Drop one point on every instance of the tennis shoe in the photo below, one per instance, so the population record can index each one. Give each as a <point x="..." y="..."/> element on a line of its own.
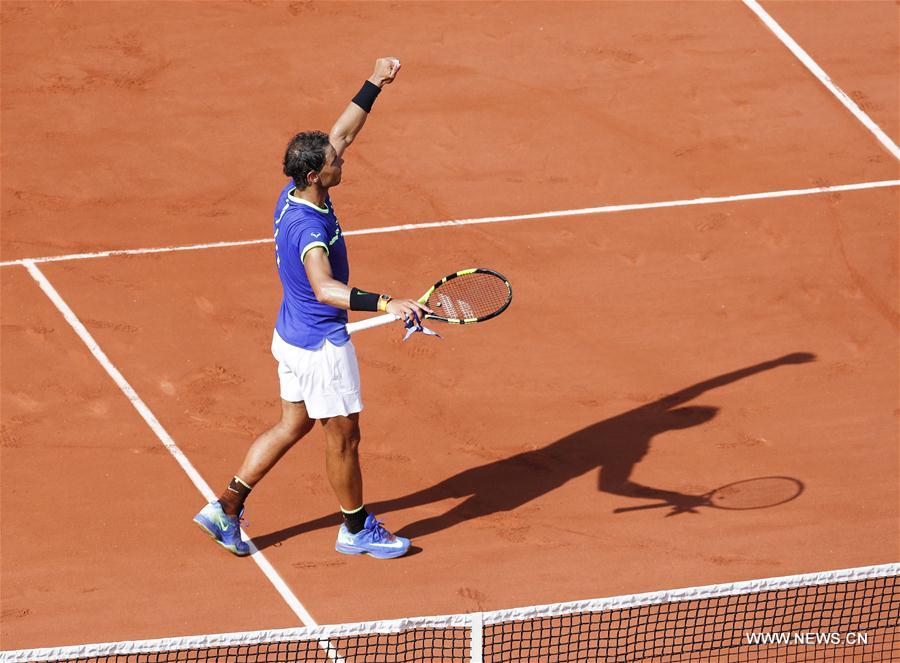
<point x="372" y="539"/>
<point x="224" y="529"/>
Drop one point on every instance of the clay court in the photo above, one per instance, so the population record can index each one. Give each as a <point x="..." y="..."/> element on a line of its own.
<point x="666" y="350"/>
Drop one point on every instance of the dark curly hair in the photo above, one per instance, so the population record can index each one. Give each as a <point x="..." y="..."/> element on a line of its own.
<point x="305" y="154"/>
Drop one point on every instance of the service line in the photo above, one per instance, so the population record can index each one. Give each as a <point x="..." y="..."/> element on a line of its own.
<point x="605" y="209"/>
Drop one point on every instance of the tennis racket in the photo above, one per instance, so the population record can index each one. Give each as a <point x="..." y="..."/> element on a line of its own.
<point x="463" y="298"/>
<point x="758" y="493"/>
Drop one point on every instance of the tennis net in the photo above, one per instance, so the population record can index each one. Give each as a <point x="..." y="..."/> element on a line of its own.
<point x="846" y="615"/>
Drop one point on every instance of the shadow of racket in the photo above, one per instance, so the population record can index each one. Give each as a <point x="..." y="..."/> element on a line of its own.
<point x="744" y="495"/>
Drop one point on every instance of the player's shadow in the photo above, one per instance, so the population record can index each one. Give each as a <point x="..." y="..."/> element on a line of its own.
<point x="614" y="446"/>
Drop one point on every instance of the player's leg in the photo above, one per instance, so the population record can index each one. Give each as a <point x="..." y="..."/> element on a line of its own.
<point x="361" y="531"/>
<point x="342" y="460"/>
<point x="221" y="519"/>
<point x="295" y="422"/>
<point x="266" y="450"/>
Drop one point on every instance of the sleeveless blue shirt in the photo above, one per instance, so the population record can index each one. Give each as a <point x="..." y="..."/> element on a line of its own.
<point x="304" y="321"/>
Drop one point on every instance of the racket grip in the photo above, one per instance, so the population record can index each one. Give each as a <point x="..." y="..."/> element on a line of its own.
<point x="369" y="323"/>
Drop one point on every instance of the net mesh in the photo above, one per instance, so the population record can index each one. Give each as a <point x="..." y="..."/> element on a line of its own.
<point x="845" y="621"/>
<point x="433" y="646"/>
<point x="478" y="295"/>
<point x="849" y="615"/>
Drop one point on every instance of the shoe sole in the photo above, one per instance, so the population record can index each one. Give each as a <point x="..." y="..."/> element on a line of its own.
<point x="352" y="550"/>
<point x="215" y="538"/>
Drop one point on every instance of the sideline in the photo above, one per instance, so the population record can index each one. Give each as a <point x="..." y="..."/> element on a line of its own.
<point x="289" y="597"/>
<point x="824" y="78"/>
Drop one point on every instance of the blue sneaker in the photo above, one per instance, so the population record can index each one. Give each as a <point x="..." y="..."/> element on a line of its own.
<point x="372" y="539"/>
<point x="225" y="529"/>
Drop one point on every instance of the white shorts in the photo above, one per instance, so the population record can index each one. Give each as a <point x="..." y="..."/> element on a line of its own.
<point x="327" y="379"/>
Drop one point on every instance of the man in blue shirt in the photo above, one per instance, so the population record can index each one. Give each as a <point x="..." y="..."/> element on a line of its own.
<point x="317" y="365"/>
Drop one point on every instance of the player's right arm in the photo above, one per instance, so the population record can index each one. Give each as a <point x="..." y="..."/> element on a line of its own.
<point x="329" y="290"/>
<point x="354" y="116"/>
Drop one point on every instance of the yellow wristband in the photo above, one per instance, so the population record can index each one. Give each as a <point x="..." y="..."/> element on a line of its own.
<point x="383" y="302"/>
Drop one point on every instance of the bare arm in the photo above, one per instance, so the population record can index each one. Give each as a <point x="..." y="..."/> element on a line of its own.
<point x="353" y="118"/>
<point x="330" y="291"/>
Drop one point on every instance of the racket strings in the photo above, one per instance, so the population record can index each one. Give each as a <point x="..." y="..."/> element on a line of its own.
<point x="476" y="295"/>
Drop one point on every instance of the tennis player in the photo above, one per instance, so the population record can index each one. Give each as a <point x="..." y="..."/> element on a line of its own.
<point x="316" y="361"/>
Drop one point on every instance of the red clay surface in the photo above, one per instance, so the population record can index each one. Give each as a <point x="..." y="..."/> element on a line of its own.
<point x="494" y="448"/>
<point x="833" y="39"/>
<point x="696" y="273"/>
<point x="97" y="539"/>
<point x="166" y="122"/>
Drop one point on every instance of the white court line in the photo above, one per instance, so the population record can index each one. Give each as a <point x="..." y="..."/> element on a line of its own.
<point x="161" y="433"/>
<point x="489" y="219"/>
<point x="819" y="73"/>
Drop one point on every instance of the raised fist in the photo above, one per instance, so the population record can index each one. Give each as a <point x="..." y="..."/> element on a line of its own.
<point x="385" y="71"/>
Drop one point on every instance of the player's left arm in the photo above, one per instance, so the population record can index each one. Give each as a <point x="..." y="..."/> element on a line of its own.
<point x="354" y="116"/>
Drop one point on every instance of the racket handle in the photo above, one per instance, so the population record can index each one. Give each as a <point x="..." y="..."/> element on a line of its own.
<point x="368" y="323"/>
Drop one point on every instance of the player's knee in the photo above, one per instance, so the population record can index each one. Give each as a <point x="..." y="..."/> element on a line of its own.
<point x="293" y="430"/>
<point x="347" y="444"/>
<point x="351" y="442"/>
